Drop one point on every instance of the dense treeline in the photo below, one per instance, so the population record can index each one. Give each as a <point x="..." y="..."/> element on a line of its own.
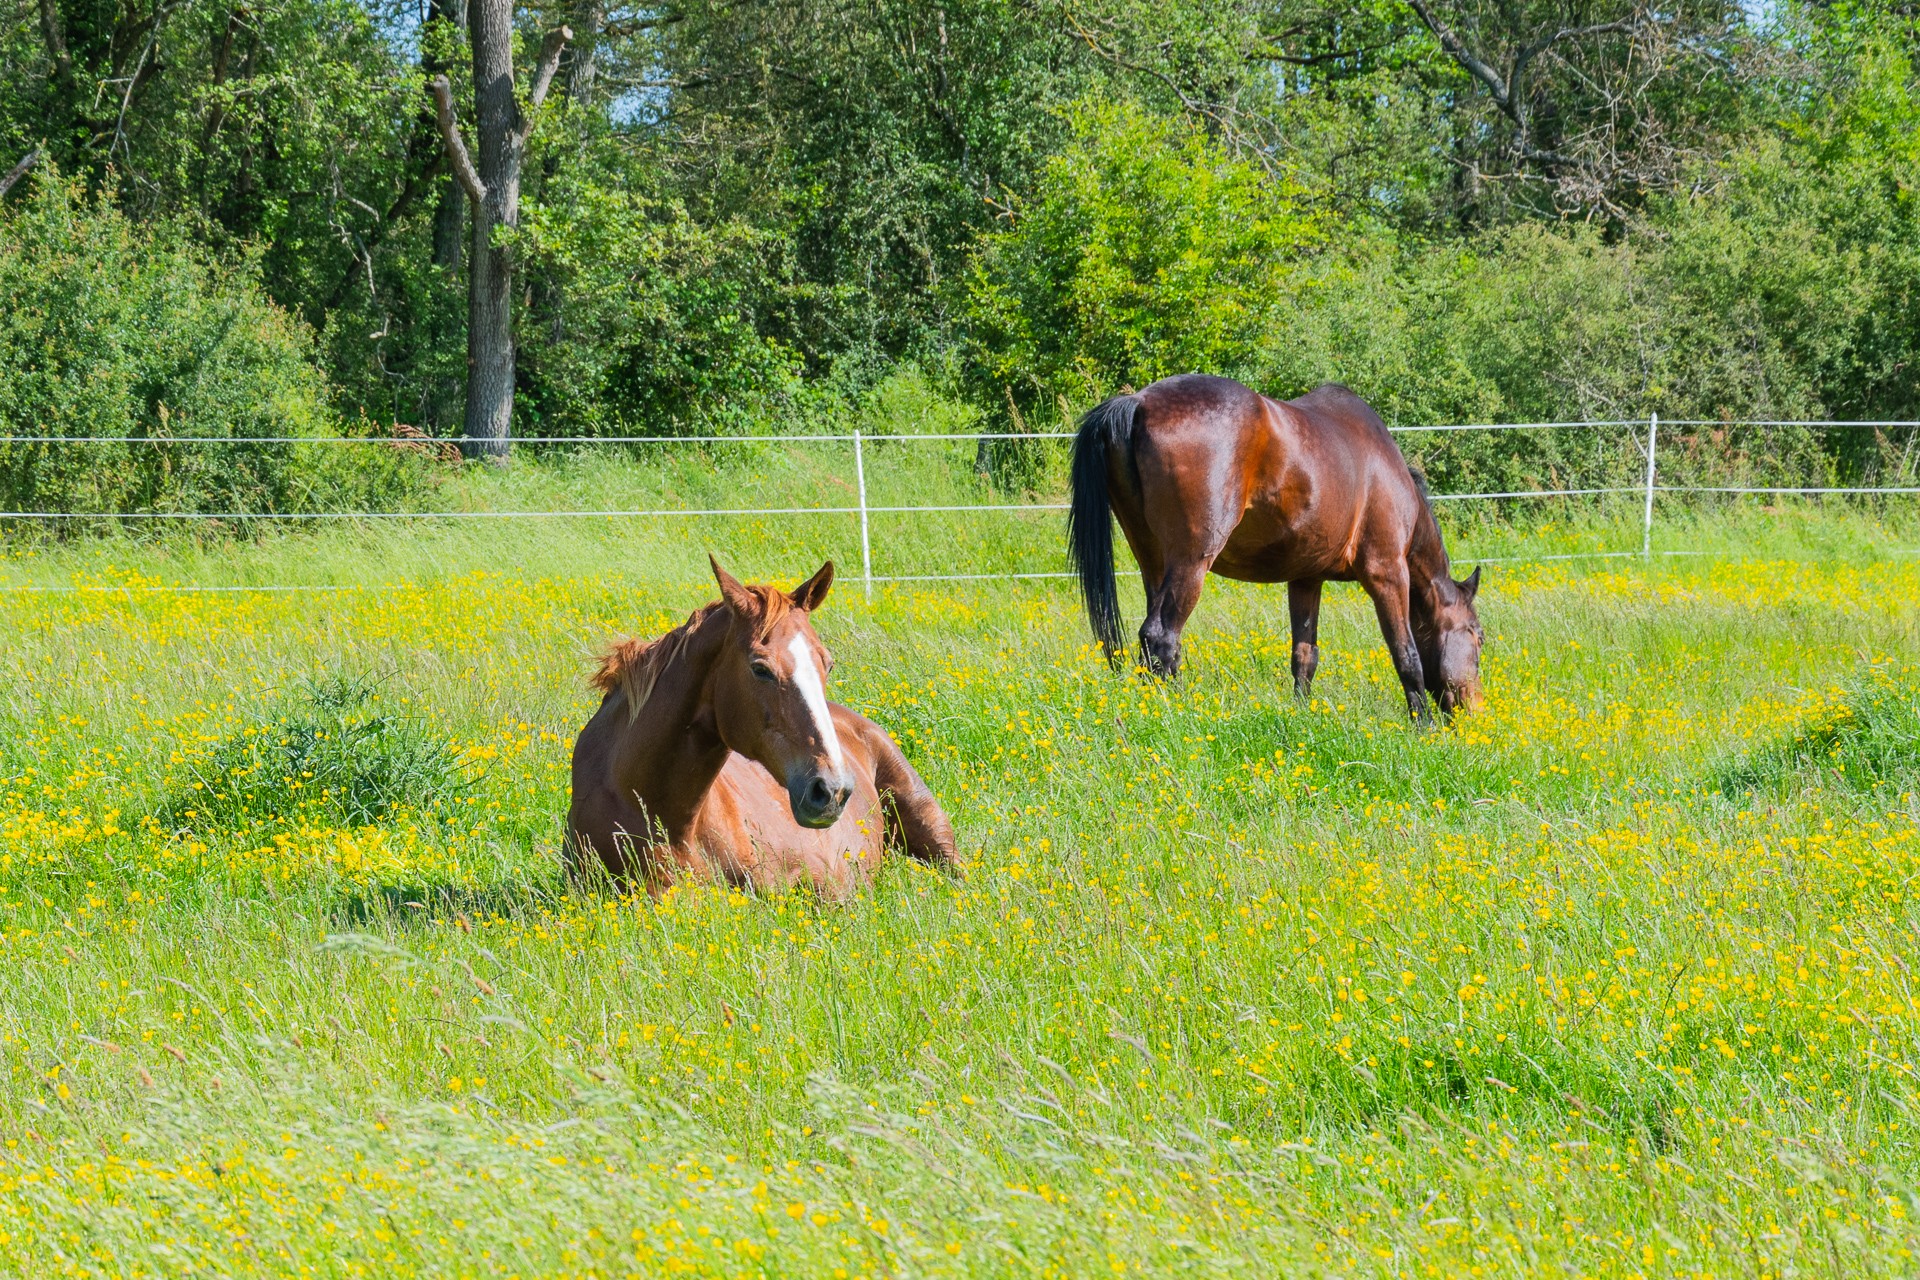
<point x="735" y="211"/>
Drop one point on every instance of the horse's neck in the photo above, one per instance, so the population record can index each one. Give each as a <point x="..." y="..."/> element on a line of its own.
<point x="1427" y="565"/>
<point x="670" y="754"/>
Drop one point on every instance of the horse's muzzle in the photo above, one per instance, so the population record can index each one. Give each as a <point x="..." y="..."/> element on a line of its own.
<point x="1460" y="697"/>
<point x="818" y="800"/>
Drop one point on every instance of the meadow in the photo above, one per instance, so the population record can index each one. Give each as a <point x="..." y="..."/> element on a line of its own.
<point x="1615" y="978"/>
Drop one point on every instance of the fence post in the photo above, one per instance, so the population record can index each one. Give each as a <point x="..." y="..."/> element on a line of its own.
<point x="866" y="547"/>
<point x="1646" y="524"/>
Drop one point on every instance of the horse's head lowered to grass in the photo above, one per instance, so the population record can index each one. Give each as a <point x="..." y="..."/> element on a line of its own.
<point x="1450" y="638"/>
<point x="769" y="693"/>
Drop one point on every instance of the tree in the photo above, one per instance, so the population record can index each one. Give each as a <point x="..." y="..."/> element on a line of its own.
<point x="1146" y="249"/>
<point x="493" y="187"/>
<point x="1596" y="103"/>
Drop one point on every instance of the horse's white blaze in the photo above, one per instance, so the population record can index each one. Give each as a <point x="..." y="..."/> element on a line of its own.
<point x="807" y="676"/>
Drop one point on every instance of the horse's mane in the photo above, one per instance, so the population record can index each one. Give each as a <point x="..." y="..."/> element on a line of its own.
<point x="632" y="666"/>
<point x="1420" y="486"/>
<point x="1420" y="609"/>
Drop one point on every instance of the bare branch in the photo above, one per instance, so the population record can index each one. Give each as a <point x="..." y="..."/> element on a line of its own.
<point x="1222" y="116"/>
<point x="1528" y="53"/>
<point x="1272" y="53"/>
<point x="19" y="171"/>
<point x="1585" y="166"/>
<point x="450" y="134"/>
<point x="549" y="63"/>
<point x="143" y="70"/>
<point x="1458" y="51"/>
<point x="622" y="28"/>
<point x="681" y="82"/>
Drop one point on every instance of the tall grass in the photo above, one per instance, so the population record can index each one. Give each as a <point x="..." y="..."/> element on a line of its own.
<point x="1234" y="983"/>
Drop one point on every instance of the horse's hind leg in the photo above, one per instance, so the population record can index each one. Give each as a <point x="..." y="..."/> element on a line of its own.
<point x="1170" y="602"/>
<point x="1389" y="589"/>
<point x="1303" y="611"/>
<point x="915" y="823"/>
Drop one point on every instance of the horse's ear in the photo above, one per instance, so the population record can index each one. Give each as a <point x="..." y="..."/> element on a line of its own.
<point x="1470" y="586"/>
<point x="812" y="593"/>
<point x="742" y="601"/>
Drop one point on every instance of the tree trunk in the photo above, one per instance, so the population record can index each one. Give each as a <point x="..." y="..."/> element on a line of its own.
<point x="494" y="188"/>
<point x="588" y="15"/>
<point x="490" y="270"/>
<point x="489" y="421"/>
<point x="449" y="226"/>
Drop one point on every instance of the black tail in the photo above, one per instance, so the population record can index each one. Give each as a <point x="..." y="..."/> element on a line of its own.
<point x="1108" y="425"/>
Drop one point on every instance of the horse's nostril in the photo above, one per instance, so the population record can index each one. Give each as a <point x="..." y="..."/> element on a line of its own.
<point x="819" y="795"/>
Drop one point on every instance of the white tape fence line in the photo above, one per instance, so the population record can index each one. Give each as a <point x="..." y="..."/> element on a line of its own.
<point x="859" y="440"/>
<point x="912" y="437"/>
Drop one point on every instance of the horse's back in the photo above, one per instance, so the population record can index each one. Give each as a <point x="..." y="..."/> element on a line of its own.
<point x="1186" y="395"/>
<point x="1197" y="445"/>
<point x="1197" y="410"/>
<point x="1263" y="490"/>
<point x="1337" y="409"/>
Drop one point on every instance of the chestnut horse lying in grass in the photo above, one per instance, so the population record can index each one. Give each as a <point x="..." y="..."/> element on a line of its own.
<point x="716" y="753"/>
<point x="1206" y="475"/>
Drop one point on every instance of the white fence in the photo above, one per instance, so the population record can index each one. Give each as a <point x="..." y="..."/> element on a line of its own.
<point x="1648" y="489"/>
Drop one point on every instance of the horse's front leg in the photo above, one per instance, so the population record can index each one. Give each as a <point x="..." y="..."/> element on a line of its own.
<point x="1389" y="590"/>
<point x="1303" y="611"/>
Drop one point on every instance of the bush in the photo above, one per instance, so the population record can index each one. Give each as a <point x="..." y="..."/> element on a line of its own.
<point x="1146" y="250"/>
<point x="117" y="331"/>
<point x="1785" y="288"/>
<point x="328" y="759"/>
<point x="665" y="318"/>
<point x="1527" y="324"/>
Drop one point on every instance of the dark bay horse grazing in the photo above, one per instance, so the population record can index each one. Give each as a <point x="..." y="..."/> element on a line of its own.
<point x="716" y="753"/>
<point x="1207" y="475"/>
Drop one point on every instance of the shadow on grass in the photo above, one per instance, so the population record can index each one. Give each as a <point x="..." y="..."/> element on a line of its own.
<point x="408" y="905"/>
<point x="1868" y="743"/>
<point x="1431" y="1079"/>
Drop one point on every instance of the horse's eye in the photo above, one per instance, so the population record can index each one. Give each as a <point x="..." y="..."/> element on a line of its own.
<point x="761" y="671"/>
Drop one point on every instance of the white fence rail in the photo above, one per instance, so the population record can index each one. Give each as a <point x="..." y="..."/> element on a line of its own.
<point x="1649" y="488"/>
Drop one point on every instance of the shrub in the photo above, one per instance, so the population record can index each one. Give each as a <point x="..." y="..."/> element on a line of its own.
<point x="665" y="318"/>
<point x="1784" y="288"/>
<point x="118" y="331"/>
<point x="1146" y="250"/>
<point x="328" y="758"/>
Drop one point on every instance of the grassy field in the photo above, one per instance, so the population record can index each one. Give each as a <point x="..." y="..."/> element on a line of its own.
<point x="1616" y="978"/>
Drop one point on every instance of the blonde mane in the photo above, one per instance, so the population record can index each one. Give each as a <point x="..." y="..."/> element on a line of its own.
<point x="633" y="666"/>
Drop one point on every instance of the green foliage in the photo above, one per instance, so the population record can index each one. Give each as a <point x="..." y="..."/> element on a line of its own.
<point x="121" y="331"/>
<point x="665" y="318"/>
<point x="1812" y="251"/>
<point x="282" y="124"/>
<point x="740" y="215"/>
<point x="911" y="401"/>
<point x="1145" y="250"/>
<point x="868" y="137"/>
<point x="1783" y="290"/>
<point x="330" y="758"/>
